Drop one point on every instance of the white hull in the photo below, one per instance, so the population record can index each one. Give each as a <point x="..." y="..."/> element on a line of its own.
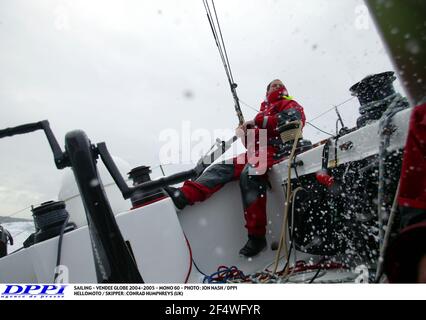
<point x="214" y="228"/>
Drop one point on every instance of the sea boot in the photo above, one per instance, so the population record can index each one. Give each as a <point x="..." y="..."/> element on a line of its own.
<point x="254" y="245"/>
<point x="177" y="197"/>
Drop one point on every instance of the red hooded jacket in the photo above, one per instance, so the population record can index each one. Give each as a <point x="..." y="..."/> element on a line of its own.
<point x="276" y="108"/>
<point x="277" y="102"/>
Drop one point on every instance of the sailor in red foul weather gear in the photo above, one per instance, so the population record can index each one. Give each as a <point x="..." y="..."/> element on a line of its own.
<point x="278" y="108"/>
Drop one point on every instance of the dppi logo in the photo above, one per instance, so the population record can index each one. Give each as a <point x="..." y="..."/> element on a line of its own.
<point x="34" y="291"/>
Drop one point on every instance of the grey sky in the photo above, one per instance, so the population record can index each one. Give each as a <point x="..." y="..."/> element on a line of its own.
<point x="123" y="71"/>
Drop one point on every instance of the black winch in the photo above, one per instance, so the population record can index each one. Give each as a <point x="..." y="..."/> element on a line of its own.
<point x="139" y="198"/>
<point x="49" y="219"/>
<point x="375" y="94"/>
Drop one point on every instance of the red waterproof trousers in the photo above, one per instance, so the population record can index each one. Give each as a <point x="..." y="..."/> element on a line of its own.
<point x="253" y="189"/>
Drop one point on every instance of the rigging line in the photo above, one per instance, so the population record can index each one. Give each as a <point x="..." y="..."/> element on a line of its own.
<point x="340" y="104"/>
<point x="223" y="42"/>
<point x="15" y="213"/>
<point x="162" y="164"/>
<point x="21" y="232"/>
<point x="218" y="44"/>
<point x="319" y="128"/>
<point x="249" y="106"/>
<point x="225" y="61"/>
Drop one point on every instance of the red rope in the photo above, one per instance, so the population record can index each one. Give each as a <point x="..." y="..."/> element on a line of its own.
<point x="303" y="266"/>
<point x="190" y="259"/>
